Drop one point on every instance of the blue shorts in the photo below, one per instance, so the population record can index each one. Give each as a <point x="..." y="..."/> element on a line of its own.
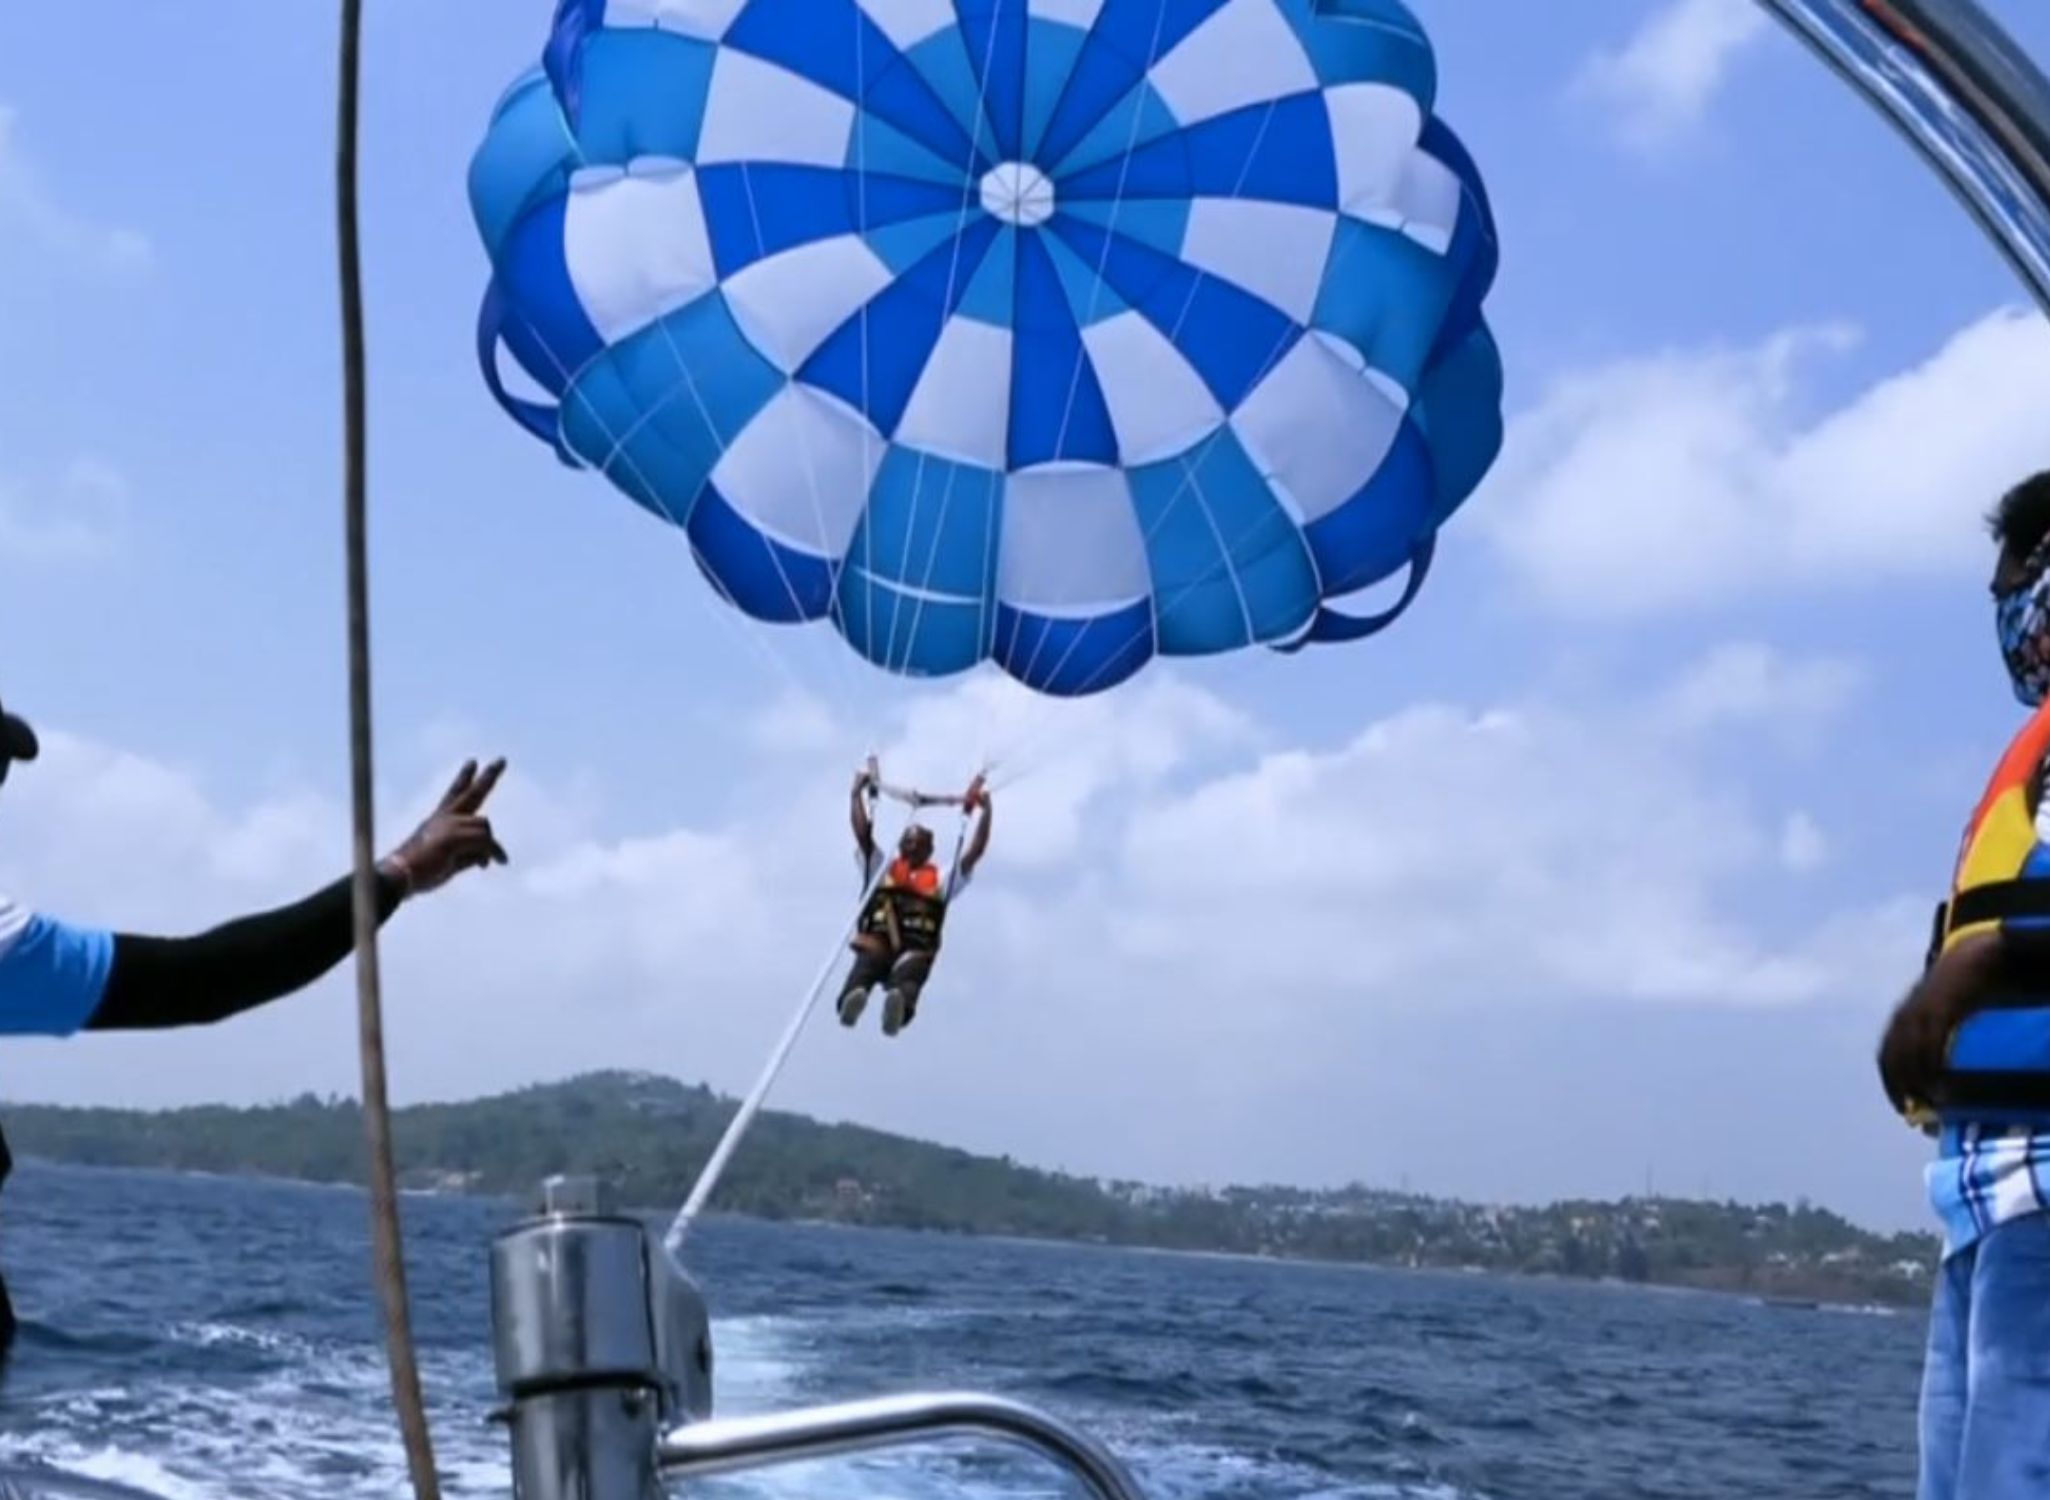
<point x="1986" y="1381"/>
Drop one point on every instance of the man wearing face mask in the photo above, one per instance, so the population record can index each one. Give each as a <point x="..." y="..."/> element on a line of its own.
<point x="57" y="979"/>
<point x="1966" y="1057"/>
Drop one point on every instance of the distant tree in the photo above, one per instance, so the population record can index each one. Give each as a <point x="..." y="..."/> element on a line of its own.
<point x="651" y="1135"/>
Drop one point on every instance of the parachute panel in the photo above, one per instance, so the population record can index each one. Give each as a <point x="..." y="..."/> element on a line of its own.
<point x="1056" y="334"/>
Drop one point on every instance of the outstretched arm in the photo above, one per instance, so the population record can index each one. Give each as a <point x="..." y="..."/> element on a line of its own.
<point x="857" y="812"/>
<point x="978" y="843"/>
<point x="155" y="983"/>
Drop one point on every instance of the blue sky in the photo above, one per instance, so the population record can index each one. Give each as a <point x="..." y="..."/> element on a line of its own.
<point x="1609" y="861"/>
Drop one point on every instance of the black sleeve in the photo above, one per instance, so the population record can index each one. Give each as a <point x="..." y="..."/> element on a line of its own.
<point x="157" y="983"/>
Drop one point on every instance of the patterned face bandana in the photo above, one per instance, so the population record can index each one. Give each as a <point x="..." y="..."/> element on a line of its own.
<point x="2023" y="618"/>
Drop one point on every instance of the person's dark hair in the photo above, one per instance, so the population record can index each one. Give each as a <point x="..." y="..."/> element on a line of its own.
<point x="2022" y="518"/>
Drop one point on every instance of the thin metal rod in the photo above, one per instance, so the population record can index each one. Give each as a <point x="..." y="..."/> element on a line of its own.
<point x="735" y="1444"/>
<point x="913" y="798"/>
<point x="387" y="1249"/>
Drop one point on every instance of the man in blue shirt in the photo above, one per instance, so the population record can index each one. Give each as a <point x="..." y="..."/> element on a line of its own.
<point x="57" y="979"/>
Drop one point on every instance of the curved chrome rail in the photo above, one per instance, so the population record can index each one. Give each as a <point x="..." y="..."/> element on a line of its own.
<point x="600" y="1346"/>
<point x="1964" y="95"/>
<point x="735" y="1444"/>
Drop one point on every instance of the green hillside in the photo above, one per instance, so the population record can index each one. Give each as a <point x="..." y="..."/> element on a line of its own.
<point x="651" y="1134"/>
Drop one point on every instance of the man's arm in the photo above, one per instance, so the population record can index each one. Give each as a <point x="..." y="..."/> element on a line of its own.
<point x="978" y="843"/>
<point x="1915" y="1049"/>
<point x="59" y="979"/>
<point x="857" y="814"/>
<point x="158" y="983"/>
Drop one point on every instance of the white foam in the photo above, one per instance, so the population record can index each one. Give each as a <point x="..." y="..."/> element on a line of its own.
<point x="319" y="1427"/>
<point x="113" y="1465"/>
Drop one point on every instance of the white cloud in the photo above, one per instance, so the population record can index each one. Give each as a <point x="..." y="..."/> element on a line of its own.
<point x="1065" y="760"/>
<point x="1060" y="756"/>
<point x="1178" y="919"/>
<point x="28" y="203"/>
<point x="1518" y="856"/>
<point x="117" y="837"/>
<point x="1750" y="685"/>
<point x="80" y="517"/>
<point x="794" y="724"/>
<point x="1682" y="480"/>
<point x="1660" y="83"/>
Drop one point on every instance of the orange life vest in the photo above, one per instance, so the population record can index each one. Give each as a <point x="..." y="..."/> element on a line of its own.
<point x="1999" y="1060"/>
<point x="923" y="879"/>
<point x="911" y="894"/>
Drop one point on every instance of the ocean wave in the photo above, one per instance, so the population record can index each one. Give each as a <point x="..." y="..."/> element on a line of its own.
<point x="239" y="1359"/>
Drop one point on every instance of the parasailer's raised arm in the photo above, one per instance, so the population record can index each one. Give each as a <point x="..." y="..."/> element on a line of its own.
<point x="857" y="813"/>
<point x="977" y="800"/>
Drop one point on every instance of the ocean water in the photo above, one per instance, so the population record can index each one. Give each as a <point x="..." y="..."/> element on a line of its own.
<point x="208" y="1338"/>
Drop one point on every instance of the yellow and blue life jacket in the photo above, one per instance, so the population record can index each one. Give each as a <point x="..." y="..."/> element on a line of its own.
<point x="1999" y="1059"/>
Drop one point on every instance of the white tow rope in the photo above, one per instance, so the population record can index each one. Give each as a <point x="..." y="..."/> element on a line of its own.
<point x="708" y="1179"/>
<point x="744" y="1117"/>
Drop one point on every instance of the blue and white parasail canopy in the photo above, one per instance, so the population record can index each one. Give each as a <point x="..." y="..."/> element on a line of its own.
<point x="1058" y="333"/>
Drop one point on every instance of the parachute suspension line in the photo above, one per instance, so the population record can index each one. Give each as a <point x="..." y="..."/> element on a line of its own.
<point x="747" y="626"/>
<point x="1095" y="299"/>
<point x="932" y="556"/>
<point x="1224" y="553"/>
<point x="843" y="668"/>
<point x="704" y="412"/>
<point x="1031" y="755"/>
<point x="617" y="453"/>
<point x="960" y="841"/>
<point x="733" y="619"/>
<point x="1192" y="479"/>
<point x="388" y="1246"/>
<point x="985" y="593"/>
<point x="968" y="199"/>
<point x="1192" y="465"/>
<point x="856" y="16"/>
<point x="1103" y="254"/>
<point x="744" y="1117"/>
<point x="848" y="689"/>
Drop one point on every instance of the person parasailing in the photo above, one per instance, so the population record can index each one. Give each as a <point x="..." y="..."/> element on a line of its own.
<point x="898" y="938"/>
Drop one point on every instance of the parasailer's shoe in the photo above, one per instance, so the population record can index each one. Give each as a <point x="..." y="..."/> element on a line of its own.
<point x="852" y="1004"/>
<point x="896" y="1012"/>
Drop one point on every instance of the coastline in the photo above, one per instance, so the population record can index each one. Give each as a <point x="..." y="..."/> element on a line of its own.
<point x="659" y="1214"/>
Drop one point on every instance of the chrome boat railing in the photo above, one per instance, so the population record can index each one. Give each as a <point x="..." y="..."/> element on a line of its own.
<point x="736" y="1444"/>
<point x="604" y="1360"/>
<point x="1964" y="94"/>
